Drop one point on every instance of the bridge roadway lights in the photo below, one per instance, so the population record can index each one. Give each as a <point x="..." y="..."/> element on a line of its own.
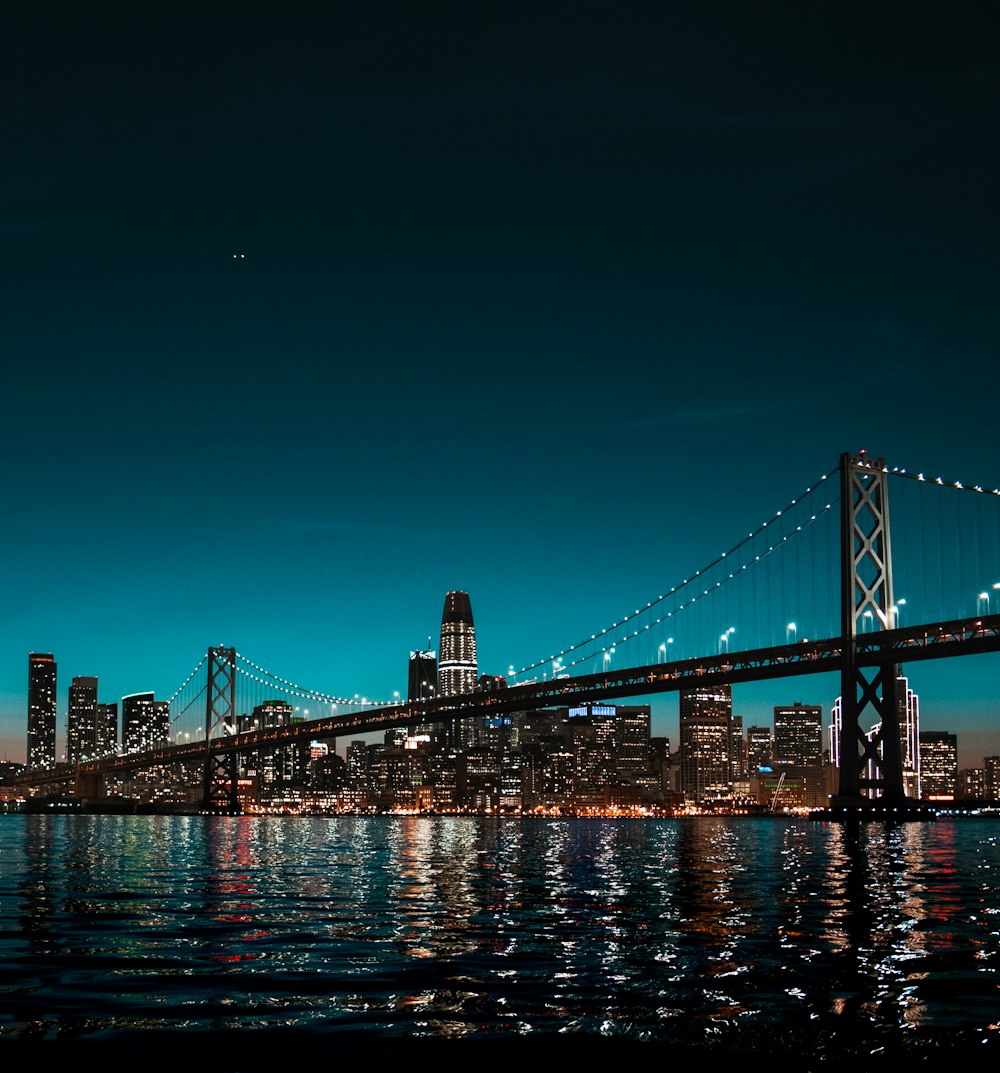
<point x="873" y="810"/>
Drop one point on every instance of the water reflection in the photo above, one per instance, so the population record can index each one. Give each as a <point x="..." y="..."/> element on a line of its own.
<point x="688" y="931"/>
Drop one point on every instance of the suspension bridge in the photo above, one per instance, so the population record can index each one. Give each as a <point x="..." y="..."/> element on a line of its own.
<point x="822" y="565"/>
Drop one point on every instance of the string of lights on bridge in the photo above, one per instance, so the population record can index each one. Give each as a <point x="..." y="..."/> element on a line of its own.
<point x="302" y="691"/>
<point x="558" y="656"/>
<point x="960" y="485"/>
<point x="561" y="659"/>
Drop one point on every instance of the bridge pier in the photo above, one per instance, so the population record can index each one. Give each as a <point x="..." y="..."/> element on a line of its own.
<point x="220" y="770"/>
<point x="871" y="762"/>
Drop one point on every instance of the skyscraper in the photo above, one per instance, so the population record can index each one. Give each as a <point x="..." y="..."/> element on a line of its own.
<point x="422" y="677"/>
<point x="145" y="722"/>
<point x="938" y="765"/>
<point x="705" y="718"/>
<point x="457" y="666"/>
<point x="81" y="720"/>
<point x="41" y="710"/>
<point x="798" y="735"/>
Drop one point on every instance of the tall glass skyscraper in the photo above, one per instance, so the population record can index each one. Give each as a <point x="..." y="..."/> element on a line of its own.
<point x="457" y="666"/>
<point x="41" y="710"/>
<point x="706" y="729"/>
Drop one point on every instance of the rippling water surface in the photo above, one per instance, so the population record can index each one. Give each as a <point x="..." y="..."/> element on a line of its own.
<point x="756" y="935"/>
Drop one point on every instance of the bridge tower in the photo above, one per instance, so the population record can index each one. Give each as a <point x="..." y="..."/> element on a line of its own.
<point x="869" y="694"/>
<point x="220" y="773"/>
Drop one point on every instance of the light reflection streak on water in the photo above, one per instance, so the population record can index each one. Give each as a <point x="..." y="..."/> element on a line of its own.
<point x="447" y="926"/>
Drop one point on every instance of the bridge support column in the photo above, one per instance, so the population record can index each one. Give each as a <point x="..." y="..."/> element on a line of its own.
<point x="871" y="762"/>
<point x="91" y="786"/>
<point x="220" y="771"/>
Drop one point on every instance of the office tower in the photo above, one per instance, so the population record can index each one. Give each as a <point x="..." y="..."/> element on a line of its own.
<point x="107" y="729"/>
<point x="421" y="682"/>
<point x="758" y="748"/>
<point x="145" y="722"/>
<point x="938" y="765"/>
<point x="421" y="685"/>
<point x="835" y="729"/>
<point x="737" y="750"/>
<point x="991" y="776"/>
<point x="284" y="767"/>
<point x="457" y="666"/>
<point x="797" y="754"/>
<point x="705" y="717"/>
<point x="909" y="736"/>
<point x="81" y="720"/>
<point x="798" y="735"/>
<point x="41" y="710"/>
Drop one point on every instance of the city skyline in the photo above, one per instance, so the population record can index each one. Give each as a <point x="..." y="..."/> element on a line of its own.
<point x="310" y="321"/>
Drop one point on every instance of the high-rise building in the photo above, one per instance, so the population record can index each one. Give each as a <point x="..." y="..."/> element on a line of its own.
<point x="81" y="720"/>
<point x="909" y="735"/>
<point x="798" y="735"/>
<point x="457" y="665"/>
<point x="705" y="717"/>
<point x="421" y="682"/>
<point x="991" y="776"/>
<point x="758" y="748"/>
<point x="41" y="710"/>
<point x="421" y="685"/>
<point x="938" y="765"/>
<point x="145" y="722"/>
<point x="107" y="729"/>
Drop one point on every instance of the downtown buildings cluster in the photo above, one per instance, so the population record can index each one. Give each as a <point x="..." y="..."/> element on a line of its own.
<point x="592" y="759"/>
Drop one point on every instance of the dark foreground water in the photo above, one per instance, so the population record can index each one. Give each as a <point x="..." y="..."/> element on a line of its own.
<point x="299" y="936"/>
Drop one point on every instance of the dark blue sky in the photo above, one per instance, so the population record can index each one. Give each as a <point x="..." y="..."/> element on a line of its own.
<point x="548" y="302"/>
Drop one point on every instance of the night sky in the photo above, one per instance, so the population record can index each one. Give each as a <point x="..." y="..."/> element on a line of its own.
<point x="309" y="315"/>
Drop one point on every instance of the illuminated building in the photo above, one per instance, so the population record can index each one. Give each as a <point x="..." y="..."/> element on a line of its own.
<point x="938" y="765"/>
<point x="797" y="754"/>
<point x="706" y="735"/>
<point x="41" y="710"/>
<point x="457" y="666"/>
<point x="909" y="736"/>
<point x="421" y="681"/>
<point x="798" y="735"/>
<point x="277" y="770"/>
<point x="145" y="722"/>
<point x="991" y="777"/>
<point x="81" y="720"/>
<point x="421" y="685"/>
<point x="107" y="729"/>
<point x="758" y="748"/>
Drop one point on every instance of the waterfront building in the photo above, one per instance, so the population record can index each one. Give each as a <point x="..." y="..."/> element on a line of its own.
<point x="758" y="749"/>
<point x="107" y="729"/>
<point x="145" y="722"/>
<point x="277" y="770"/>
<point x="737" y="750"/>
<point x="909" y="735"/>
<point x="798" y="735"/>
<point x="971" y="784"/>
<point x="991" y="777"/>
<point x="41" y="710"/>
<point x="938" y="765"/>
<point x="457" y="665"/>
<point x="81" y="720"/>
<point x="421" y="685"/>
<point x="705" y="717"/>
<point x="835" y="729"/>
